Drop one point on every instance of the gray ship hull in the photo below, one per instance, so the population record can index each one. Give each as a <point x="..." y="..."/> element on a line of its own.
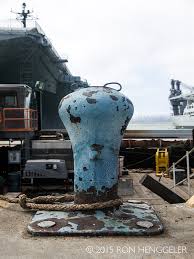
<point x="27" y="56"/>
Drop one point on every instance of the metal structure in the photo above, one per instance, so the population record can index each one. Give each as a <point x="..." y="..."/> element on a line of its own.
<point x="95" y="119"/>
<point x="177" y="102"/>
<point x="178" y="99"/>
<point x="24" y="15"/>
<point x="182" y="105"/>
<point x="159" y="133"/>
<point x="33" y="79"/>
<point x="45" y="168"/>
<point x="18" y="119"/>
<point x="189" y="175"/>
<point x="131" y="219"/>
<point x="28" y="57"/>
<point x="16" y="116"/>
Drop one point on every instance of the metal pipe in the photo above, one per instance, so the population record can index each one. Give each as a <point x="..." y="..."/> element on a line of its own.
<point x="184" y="180"/>
<point x="174" y="175"/>
<point x="189" y="152"/>
<point x="188" y="173"/>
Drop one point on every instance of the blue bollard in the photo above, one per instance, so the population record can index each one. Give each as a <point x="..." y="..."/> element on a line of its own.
<point x="95" y="119"/>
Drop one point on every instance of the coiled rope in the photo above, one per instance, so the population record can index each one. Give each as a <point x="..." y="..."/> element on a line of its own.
<point x="52" y="203"/>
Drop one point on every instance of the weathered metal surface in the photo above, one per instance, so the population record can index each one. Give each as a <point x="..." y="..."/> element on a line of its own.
<point x="95" y="119"/>
<point x="46" y="224"/>
<point x="145" y="224"/>
<point x="131" y="219"/>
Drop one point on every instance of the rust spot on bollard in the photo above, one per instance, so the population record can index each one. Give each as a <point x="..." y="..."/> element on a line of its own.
<point x="92" y="195"/>
<point x="68" y="109"/>
<point x="89" y="222"/>
<point x="107" y="90"/>
<point x="128" y="101"/>
<point x="114" y="98"/>
<point x="90" y="100"/>
<point x="89" y="94"/>
<point x="73" y="119"/>
<point x="123" y="128"/>
<point x="97" y="147"/>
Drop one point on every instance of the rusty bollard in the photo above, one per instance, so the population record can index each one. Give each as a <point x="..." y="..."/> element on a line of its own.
<point x="95" y="119"/>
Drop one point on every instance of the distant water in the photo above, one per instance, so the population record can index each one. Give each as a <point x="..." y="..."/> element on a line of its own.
<point x="151" y="122"/>
<point x="150" y="126"/>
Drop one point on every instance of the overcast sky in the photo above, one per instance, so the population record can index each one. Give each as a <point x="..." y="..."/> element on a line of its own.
<point x="142" y="43"/>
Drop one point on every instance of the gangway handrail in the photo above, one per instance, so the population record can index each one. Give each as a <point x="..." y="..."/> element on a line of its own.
<point x="188" y="172"/>
<point x="184" y="180"/>
<point x="177" y="162"/>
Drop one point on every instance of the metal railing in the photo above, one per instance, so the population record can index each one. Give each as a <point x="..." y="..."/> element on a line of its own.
<point x="188" y="178"/>
<point x="14" y="24"/>
<point x="18" y="119"/>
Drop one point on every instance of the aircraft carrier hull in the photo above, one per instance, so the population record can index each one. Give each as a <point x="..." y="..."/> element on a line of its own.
<point x="27" y="56"/>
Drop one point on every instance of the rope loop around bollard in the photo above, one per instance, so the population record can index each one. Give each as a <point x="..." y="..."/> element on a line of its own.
<point x="114" y="83"/>
<point x="55" y="203"/>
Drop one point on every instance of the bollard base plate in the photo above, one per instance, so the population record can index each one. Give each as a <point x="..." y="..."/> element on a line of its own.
<point x="133" y="218"/>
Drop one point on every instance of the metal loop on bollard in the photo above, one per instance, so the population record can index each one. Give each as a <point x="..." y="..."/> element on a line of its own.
<point x="114" y="83"/>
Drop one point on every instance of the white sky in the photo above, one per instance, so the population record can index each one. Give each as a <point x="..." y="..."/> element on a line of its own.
<point x="141" y="43"/>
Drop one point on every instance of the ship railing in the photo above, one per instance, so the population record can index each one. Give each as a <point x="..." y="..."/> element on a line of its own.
<point x="13" y="24"/>
<point x="18" y="119"/>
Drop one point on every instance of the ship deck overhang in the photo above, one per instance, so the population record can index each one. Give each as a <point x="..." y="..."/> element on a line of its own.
<point x="24" y="50"/>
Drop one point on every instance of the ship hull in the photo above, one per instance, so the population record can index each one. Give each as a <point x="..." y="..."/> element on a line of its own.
<point x="183" y="121"/>
<point x="26" y="56"/>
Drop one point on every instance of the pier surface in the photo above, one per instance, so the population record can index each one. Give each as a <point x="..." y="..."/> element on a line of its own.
<point x="177" y="241"/>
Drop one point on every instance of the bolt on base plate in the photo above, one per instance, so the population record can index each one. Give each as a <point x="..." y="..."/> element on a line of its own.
<point x="133" y="218"/>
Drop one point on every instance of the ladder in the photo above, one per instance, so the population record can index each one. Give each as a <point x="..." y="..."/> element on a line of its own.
<point x="26" y="73"/>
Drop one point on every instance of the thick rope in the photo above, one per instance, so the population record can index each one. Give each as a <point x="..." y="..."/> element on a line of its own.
<point x="10" y="200"/>
<point x="49" y="203"/>
<point x="41" y="199"/>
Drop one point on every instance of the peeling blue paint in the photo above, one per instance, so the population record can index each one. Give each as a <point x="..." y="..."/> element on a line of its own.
<point x="122" y="221"/>
<point x="95" y="124"/>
